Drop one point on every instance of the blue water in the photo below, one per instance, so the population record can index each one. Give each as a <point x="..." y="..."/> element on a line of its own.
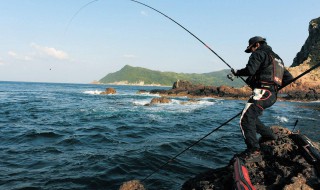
<point x="67" y="136"/>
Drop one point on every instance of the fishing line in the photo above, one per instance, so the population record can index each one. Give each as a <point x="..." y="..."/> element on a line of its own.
<point x="84" y="6"/>
<point x="173" y="158"/>
<point x="188" y="32"/>
<point x="169" y="19"/>
<point x="196" y="142"/>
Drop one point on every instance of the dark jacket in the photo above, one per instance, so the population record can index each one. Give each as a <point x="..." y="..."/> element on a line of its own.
<point x="258" y="68"/>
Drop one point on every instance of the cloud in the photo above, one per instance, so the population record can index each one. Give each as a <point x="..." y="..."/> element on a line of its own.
<point x="51" y="52"/>
<point x="1" y="61"/>
<point x="19" y="57"/>
<point x="130" y="56"/>
<point x="143" y="13"/>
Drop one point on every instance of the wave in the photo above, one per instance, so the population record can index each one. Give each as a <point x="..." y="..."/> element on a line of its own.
<point x="140" y="102"/>
<point x="93" y="92"/>
<point x="282" y="119"/>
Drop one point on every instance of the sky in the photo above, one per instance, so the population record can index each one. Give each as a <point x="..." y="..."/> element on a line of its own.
<point x="75" y="41"/>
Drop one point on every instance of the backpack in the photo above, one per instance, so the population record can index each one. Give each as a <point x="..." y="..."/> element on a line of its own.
<point x="241" y="176"/>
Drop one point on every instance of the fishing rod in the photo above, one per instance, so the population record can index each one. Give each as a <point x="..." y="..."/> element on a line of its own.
<point x="169" y="19"/>
<point x="188" y="32"/>
<point x="225" y="123"/>
<point x="173" y="158"/>
<point x="294" y="126"/>
<point x="299" y="76"/>
<point x="84" y="6"/>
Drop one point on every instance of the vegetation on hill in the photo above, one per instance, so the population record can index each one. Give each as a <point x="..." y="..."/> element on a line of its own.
<point x="135" y="75"/>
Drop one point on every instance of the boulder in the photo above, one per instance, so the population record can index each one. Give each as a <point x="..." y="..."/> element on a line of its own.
<point x="182" y="84"/>
<point x="161" y="100"/>
<point x="132" y="185"/>
<point x="283" y="167"/>
<point x="109" y="91"/>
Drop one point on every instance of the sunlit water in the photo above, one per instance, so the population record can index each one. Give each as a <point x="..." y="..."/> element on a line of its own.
<point x="67" y="136"/>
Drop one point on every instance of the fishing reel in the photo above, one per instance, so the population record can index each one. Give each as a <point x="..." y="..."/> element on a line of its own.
<point x="231" y="76"/>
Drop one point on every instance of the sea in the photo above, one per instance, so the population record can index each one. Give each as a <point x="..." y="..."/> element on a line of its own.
<point x="68" y="136"/>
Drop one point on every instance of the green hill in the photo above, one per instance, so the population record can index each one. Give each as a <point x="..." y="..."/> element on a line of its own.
<point x="134" y="75"/>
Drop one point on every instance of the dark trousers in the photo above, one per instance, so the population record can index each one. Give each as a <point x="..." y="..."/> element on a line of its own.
<point x="250" y="123"/>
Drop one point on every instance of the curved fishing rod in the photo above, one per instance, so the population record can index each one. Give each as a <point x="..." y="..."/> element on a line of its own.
<point x="84" y="6"/>
<point x="166" y="17"/>
<point x="188" y="32"/>
<point x="173" y="158"/>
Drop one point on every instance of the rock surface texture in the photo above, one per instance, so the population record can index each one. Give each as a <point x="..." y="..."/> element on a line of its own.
<point x="109" y="91"/>
<point x="283" y="167"/>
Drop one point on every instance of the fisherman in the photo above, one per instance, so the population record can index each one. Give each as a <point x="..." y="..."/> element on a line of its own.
<point x="266" y="73"/>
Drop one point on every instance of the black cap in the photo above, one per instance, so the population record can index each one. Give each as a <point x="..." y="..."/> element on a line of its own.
<point x="254" y="40"/>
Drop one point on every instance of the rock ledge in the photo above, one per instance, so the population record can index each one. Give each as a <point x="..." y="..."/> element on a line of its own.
<point x="283" y="167"/>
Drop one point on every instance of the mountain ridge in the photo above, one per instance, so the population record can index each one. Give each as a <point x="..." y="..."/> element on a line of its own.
<point x="143" y="76"/>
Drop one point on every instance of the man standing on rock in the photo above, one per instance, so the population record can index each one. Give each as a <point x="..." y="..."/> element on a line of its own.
<point x="266" y="73"/>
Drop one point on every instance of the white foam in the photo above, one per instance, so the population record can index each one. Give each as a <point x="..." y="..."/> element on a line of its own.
<point x="181" y="106"/>
<point x="148" y="94"/>
<point x="141" y="102"/>
<point x="282" y="119"/>
<point x="93" y="92"/>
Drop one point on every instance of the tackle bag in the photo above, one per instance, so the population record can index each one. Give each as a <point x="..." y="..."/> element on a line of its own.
<point x="241" y="176"/>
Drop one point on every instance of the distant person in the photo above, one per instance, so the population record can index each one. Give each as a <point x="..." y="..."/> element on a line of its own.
<point x="266" y="73"/>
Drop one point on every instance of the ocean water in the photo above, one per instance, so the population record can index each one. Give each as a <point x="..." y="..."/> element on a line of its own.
<point x="67" y="136"/>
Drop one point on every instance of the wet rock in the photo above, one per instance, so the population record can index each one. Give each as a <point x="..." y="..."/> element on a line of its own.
<point x="161" y="100"/>
<point x="132" y="185"/>
<point x="185" y="88"/>
<point x="109" y="91"/>
<point x="283" y="167"/>
<point x="182" y="84"/>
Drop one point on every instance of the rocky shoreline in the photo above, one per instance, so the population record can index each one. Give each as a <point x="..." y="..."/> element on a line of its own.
<point x="284" y="166"/>
<point x="187" y="89"/>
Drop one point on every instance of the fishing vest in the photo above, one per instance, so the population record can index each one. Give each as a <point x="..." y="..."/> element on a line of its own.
<point x="273" y="73"/>
<point x="270" y="71"/>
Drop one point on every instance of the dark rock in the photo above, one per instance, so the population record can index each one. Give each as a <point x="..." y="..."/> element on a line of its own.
<point x="160" y="100"/>
<point x="185" y="88"/>
<point x="283" y="167"/>
<point x="182" y="84"/>
<point x="311" y="48"/>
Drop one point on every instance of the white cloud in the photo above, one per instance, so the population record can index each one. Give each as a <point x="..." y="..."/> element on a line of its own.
<point x="12" y="54"/>
<point x="143" y="13"/>
<point x="130" y="56"/>
<point x="50" y="51"/>
<point x="19" y="57"/>
<point x="1" y="61"/>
